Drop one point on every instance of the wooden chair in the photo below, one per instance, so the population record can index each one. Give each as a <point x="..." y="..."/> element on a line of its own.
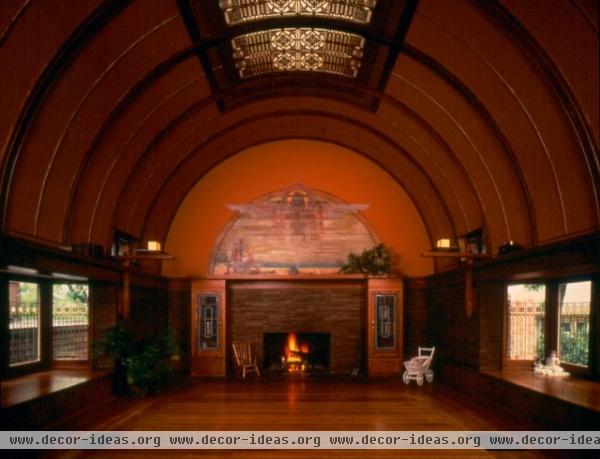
<point x="244" y="358"/>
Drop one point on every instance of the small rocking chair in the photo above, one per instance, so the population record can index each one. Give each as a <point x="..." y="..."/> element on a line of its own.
<point x="419" y="367"/>
<point x="244" y="358"/>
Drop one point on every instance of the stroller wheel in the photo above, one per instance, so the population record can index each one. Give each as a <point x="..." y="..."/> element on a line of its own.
<point x="405" y="379"/>
<point x="420" y="380"/>
<point x="429" y="376"/>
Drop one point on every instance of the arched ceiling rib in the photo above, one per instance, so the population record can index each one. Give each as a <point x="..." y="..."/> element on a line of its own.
<point x="283" y="125"/>
<point x="35" y="51"/>
<point x="483" y="121"/>
<point x="87" y="100"/>
<point x="199" y="129"/>
<point x="577" y="92"/>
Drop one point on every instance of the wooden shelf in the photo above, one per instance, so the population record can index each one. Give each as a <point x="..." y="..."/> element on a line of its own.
<point x="292" y="277"/>
<point x="147" y="255"/>
<point x="451" y="254"/>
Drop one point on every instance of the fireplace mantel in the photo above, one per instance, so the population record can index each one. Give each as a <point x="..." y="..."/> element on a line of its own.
<point x="299" y="277"/>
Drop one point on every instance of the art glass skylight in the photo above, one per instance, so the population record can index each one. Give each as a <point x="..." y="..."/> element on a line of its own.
<point x="293" y="49"/>
<point x="240" y="11"/>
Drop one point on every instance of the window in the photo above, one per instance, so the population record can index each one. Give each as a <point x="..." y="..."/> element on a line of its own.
<point x="24" y="323"/>
<point x="526" y="321"/>
<point x="302" y="49"/>
<point x="208" y="320"/>
<point x="48" y="324"/>
<point x="574" y="308"/>
<point x="551" y="316"/>
<point x="385" y="336"/>
<point x="70" y="322"/>
<point x="305" y="48"/>
<point x="239" y="11"/>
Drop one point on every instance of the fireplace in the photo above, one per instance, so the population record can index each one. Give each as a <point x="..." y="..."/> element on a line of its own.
<point x="336" y="308"/>
<point x="330" y="315"/>
<point x="297" y="352"/>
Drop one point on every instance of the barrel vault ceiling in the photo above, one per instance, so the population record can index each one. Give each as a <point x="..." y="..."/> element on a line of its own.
<point x="485" y="112"/>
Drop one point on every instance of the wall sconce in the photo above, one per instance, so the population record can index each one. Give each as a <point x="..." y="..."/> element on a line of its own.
<point x="443" y="244"/>
<point x="154" y="246"/>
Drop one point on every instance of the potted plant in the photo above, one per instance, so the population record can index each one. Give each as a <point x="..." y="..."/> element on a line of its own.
<point x="375" y="261"/>
<point x="151" y="367"/>
<point x="117" y="345"/>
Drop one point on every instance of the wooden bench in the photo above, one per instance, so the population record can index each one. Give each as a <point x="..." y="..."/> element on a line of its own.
<point x="50" y="397"/>
<point x="559" y="403"/>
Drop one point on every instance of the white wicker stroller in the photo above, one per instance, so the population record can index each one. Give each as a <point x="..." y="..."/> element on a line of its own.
<point x="419" y="367"/>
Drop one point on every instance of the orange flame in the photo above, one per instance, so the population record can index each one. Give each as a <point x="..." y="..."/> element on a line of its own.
<point x="294" y="353"/>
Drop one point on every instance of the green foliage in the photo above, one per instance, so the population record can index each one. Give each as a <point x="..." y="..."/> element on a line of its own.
<point x="146" y="366"/>
<point x="375" y="261"/>
<point x="575" y="348"/>
<point x="118" y="344"/>
<point x="150" y="368"/>
<point x="28" y="292"/>
<point x="533" y="287"/>
<point x="78" y="293"/>
<point x="540" y="345"/>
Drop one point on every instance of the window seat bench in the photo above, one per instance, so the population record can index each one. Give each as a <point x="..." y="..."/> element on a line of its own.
<point x="562" y="403"/>
<point x="44" y="398"/>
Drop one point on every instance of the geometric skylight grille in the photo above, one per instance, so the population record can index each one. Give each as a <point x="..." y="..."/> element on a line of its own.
<point x="240" y="11"/>
<point x="298" y="49"/>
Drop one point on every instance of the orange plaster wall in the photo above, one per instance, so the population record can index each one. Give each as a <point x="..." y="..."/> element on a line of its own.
<point x="271" y="166"/>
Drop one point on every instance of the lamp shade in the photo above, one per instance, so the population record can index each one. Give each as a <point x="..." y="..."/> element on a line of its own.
<point x="154" y="246"/>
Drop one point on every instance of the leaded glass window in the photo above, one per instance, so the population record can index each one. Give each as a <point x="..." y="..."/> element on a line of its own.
<point x="208" y="322"/>
<point x="240" y="11"/>
<point x="385" y="321"/>
<point x="304" y="49"/>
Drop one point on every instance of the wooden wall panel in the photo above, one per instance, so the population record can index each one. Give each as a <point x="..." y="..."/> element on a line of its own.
<point x="454" y="335"/>
<point x="415" y="316"/>
<point x="179" y="319"/>
<point x="104" y="299"/>
<point x="149" y="311"/>
<point x="490" y="306"/>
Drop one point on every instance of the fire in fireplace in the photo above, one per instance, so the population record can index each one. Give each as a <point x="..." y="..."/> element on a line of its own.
<point x="297" y="352"/>
<point x="295" y="356"/>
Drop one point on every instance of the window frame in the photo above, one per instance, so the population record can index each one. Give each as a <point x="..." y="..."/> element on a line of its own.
<point x="521" y="363"/>
<point x="552" y="323"/>
<point x="46" y="361"/>
<point x="572" y="367"/>
<point x="80" y="363"/>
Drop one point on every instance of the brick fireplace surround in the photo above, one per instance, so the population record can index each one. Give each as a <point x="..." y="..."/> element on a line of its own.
<point x="336" y="307"/>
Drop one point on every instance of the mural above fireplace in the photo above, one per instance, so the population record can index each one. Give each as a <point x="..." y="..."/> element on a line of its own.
<point x="297" y="230"/>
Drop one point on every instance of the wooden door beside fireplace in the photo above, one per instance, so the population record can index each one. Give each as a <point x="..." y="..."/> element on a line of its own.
<point x="384" y="327"/>
<point x="208" y="328"/>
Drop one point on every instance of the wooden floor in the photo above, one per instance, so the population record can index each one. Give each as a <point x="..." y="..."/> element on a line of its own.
<point x="305" y="405"/>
